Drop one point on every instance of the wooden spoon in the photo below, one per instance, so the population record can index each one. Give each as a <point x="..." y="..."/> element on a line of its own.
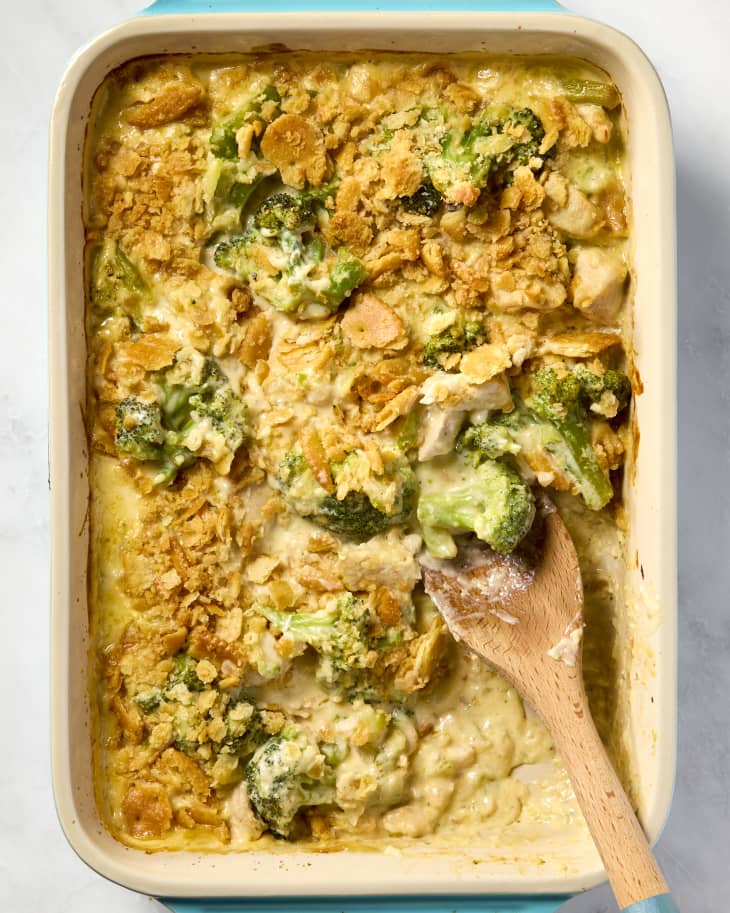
<point x="523" y="614"/>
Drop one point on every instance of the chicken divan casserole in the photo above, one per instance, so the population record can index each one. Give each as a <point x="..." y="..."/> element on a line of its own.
<point x="341" y="310"/>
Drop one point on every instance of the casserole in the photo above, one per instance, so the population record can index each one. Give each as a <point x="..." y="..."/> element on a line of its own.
<point x="649" y="675"/>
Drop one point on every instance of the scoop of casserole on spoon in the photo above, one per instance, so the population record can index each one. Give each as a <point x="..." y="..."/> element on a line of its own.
<point x="523" y="614"/>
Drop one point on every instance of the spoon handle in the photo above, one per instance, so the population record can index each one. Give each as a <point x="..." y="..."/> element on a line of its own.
<point x="633" y="871"/>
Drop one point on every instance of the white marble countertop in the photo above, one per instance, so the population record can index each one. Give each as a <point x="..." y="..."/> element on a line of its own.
<point x="688" y="42"/>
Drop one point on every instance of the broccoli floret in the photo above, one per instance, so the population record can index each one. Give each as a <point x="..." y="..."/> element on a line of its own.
<point x="357" y="516"/>
<point x="490" y="500"/>
<point x="285" y="210"/>
<point x="551" y="421"/>
<point x="354" y="517"/>
<point x="245" y="729"/>
<point x="487" y="440"/>
<point x="139" y="431"/>
<point x="117" y="283"/>
<point x="426" y="201"/>
<point x="148" y="701"/>
<point x="160" y="432"/>
<point x="339" y="634"/>
<point x="554" y="391"/>
<point x="462" y="336"/>
<point x="185" y="673"/>
<point x="285" y="261"/>
<point x="286" y="774"/>
<point x="484" y="154"/>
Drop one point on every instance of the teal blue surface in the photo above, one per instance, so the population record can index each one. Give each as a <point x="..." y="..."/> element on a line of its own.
<point x="374" y="905"/>
<point x="662" y="903"/>
<point x="286" y="6"/>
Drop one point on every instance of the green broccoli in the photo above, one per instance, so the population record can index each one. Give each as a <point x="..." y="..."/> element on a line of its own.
<point x="159" y="432"/>
<point x="286" y="210"/>
<point x="185" y="673"/>
<point x="489" y="499"/>
<point x="339" y="634"/>
<point x="484" y="154"/>
<point x="139" y="431"/>
<point x="426" y="201"/>
<point x="461" y="336"/>
<point x="285" y="261"/>
<point x="551" y="421"/>
<point x="285" y="775"/>
<point x="245" y="729"/>
<point x="357" y="516"/>
<point x="116" y="281"/>
<point x="148" y="701"/>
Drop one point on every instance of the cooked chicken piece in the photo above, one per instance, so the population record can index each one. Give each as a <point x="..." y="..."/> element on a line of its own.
<point x="598" y="283"/>
<point x="578" y="218"/>
<point x="598" y="120"/>
<point x="245" y="826"/>
<point x="440" y="429"/>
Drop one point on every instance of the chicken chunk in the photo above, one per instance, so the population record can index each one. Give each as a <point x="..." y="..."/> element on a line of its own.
<point x="440" y="428"/>
<point x="578" y="217"/>
<point x="598" y="283"/>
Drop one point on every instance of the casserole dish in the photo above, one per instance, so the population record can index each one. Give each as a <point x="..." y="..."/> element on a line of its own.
<point x="554" y="866"/>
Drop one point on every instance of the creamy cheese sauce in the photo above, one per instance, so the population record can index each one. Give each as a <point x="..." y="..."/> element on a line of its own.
<point x="212" y="569"/>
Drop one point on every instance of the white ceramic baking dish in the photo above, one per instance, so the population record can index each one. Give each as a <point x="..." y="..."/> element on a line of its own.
<point x="523" y="878"/>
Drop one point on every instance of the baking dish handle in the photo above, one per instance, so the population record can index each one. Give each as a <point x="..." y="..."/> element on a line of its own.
<point x="309" y="6"/>
<point x="547" y="904"/>
<point x="662" y="903"/>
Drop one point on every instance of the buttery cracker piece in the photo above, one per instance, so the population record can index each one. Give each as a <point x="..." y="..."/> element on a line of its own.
<point x="576" y="344"/>
<point x="432" y="254"/>
<point x="352" y="230"/>
<point x="146" y="810"/>
<point x="401" y="168"/>
<point x="607" y="444"/>
<point x="129" y="719"/>
<point x="387" y="607"/>
<point x="256" y="342"/>
<point x="524" y="191"/>
<point x="422" y="658"/>
<point x="348" y="194"/>
<point x="384" y="264"/>
<point x="313" y="453"/>
<point x="181" y="773"/>
<point x="229" y="626"/>
<point x="464" y="99"/>
<point x="173" y="101"/>
<point x="150" y="352"/>
<point x="297" y="149"/>
<point x="484" y="362"/>
<point x="204" y="644"/>
<point x="370" y="323"/>
<point x="315" y="578"/>
<point x="401" y="404"/>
